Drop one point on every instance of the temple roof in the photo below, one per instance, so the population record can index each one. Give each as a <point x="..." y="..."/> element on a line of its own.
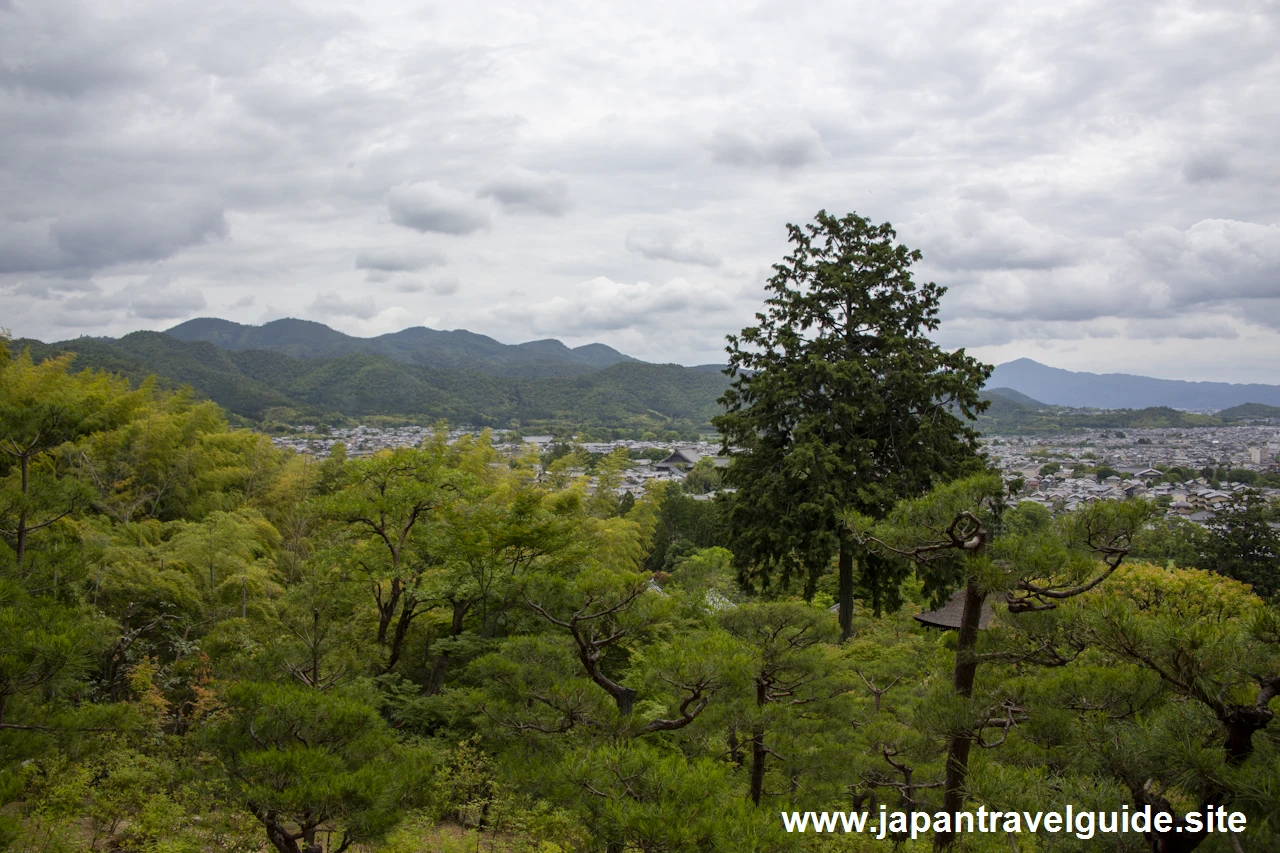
<point x="948" y="615"/>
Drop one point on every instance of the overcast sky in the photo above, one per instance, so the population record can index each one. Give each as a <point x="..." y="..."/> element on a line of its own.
<point x="1097" y="183"/>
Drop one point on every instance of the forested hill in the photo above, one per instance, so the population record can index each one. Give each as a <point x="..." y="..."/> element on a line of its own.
<point x="458" y="349"/>
<point x="1251" y="411"/>
<point x="252" y="382"/>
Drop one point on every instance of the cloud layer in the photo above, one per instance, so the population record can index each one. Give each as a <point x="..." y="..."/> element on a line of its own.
<point x="1095" y="183"/>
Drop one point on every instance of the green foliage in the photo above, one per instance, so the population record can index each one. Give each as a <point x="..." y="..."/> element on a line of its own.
<point x="301" y="759"/>
<point x="1215" y="649"/>
<point x="839" y="400"/>
<point x="45" y="647"/>
<point x="1240" y="543"/>
<point x="682" y="525"/>
<point x="638" y="796"/>
<point x="214" y="645"/>
<point x="703" y="477"/>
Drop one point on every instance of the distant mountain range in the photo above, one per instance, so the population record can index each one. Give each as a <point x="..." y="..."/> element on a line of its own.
<point x="418" y="345"/>
<point x="1058" y="387"/>
<point x="537" y="385"/>
<point x="1012" y="412"/>
<point x="304" y="370"/>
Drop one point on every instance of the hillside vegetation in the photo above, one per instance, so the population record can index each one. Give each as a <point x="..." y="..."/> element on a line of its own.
<point x="251" y="383"/>
<point x="211" y="644"/>
<point x="418" y="346"/>
<point x="1250" y="411"/>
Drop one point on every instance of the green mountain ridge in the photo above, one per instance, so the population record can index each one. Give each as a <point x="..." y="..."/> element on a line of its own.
<point x="417" y="345"/>
<point x="251" y="382"/>
<point x="540" y="384"/>
<point x="1251" y="411"/>
<point x="1015" y="396"/>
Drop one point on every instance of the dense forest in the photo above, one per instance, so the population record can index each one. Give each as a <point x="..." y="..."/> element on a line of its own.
<point x="207" y="643"/>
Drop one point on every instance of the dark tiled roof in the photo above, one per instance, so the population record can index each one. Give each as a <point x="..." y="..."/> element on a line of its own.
<point x="948" y="615"/>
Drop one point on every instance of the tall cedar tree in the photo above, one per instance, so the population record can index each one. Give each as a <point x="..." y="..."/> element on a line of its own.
<point x="840" y="400"/>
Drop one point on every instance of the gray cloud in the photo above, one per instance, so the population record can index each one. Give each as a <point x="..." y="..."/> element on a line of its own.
<point x="52" y="288"/>
<point x="157" y="299"/>
<point x="1205" y="282"/>
<point x="523" y="190"/>
<point x="93" y="240"/>
<point x="1206" y="166"/>
<point x="27" y="246"/>
<point x="976" y="237"/>
<point x="85" y="311"/>
<point x="1213" y="261"/>
<point x="332" y="305"/>
<point x="446" y="286"/>
<point x="670" y="245"/>
<point x="1092" y="182"/>
<point x="427" y="206"/>
<point x="604" y="305"/>
<point x="442" y="286"/>
<point x="782" y="146"/>
<point x="397" y="259"/>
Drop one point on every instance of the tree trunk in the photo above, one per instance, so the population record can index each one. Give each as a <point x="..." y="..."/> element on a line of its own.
<point x="438" y="666"/>
<point x="589" y="654"/>
<point x="846" y="590"/>
<point x="758" y="752"/>
<point x="280" y="838"/>
<point x="625" y="699"/>
<point x="1179" y="838"/>
<point x="758" y="756"/>
<point x="960" y="743"/>
<point x="20" y="550"/>
<point x="315" y="648"/>
<point x="735" y="751"/>
<point x="407" y="613"/>
<point x="387" y="609"/>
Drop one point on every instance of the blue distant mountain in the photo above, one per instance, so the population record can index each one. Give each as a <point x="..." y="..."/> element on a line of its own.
<point x="1058" y="387"/>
